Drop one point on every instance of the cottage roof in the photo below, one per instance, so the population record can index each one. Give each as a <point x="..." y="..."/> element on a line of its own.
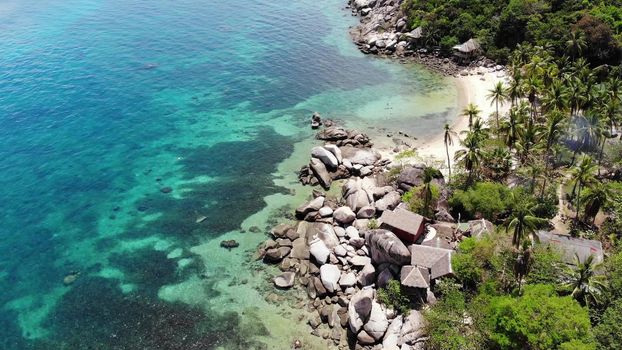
<point x="438" y="260"/>
<point x="414" y="276"/>
<point x="469" y="46"/>
<point x="403" y="220"/>
<point x="570" y="246"/>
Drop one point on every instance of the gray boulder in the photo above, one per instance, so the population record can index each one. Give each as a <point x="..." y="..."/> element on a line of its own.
<point x="377" y="324"/>
<point x="367" y="276"/>
<point x="335" y="151"/>
<point x="330" y="274"/>
<point x="308" y="207"/>
<point x="284" y="280"/>
<point x="300" y="249"/>
<point x="333" y="133"/>
<point x="386" y="247"/>
<point x="366" y="212"/>
<point x="329" y="159"/>
<point x="347" y="280"/>
<point x="319" y="250"/>
<point x="326" y="233"/>
<point x="392" y="336"/>
<point x="344" y="215"/>
<point x="362" y="156"/>
<point x="359" y="309"/>
<point x="320" y="172"/>
<point x="413" y="328"/>
<point x="276" y="254"/>
<point x="388" y="201"/>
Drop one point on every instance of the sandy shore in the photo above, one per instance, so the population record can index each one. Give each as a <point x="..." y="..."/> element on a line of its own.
<point x="471" y="89"/>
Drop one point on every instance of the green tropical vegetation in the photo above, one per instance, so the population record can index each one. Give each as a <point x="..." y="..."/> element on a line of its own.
<point x="548" y="158"/>
<point x="575" y="28"/>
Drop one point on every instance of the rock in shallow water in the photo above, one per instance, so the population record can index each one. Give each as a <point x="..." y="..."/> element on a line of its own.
<point x="284" y="280"/>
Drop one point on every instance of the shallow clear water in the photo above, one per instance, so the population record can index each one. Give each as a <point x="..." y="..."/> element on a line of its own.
<point x="105" y="103"/>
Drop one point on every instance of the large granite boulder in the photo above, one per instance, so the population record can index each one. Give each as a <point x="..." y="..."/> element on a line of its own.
<point x="344" y="215"/>
<point x="386" y="247"/>
<point x="362" y="156"/>
<point x="326" y="233"/>
<point x="335" y="151"/>
<point x="377" y="324"/>
<point x="319" y="251"/>
<point x="333" y="133"/>
<point x="359" y="309"/>
<point x="330" y="274"/>
<point x="327" y="157"/>
<point x="302" y="211"/>
<point x="388" y="201"/>
<point x="411" y="176"/>
<point x="413" y="328"/>
<point x="300" y="249"/>
<point x="367" y="276"/>
<point x="392" y="336"/>
<point x="321" y="173"/>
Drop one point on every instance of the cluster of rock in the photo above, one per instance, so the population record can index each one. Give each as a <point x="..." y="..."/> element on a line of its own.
<point x="338" y="260"/>
<point x="346" y="153"/>
<point x="339" y="251"/>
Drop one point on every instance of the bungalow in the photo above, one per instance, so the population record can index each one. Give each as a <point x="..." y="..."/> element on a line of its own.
<point x="571" y="247"/>
<point x="467" y="50"/>
<point x="426" y="265"/>
<point x="436" y="260"/>
<point x="408" y="226"/>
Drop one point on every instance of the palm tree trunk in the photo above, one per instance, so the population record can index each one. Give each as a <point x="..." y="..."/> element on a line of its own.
<point x="578" y="204"/>
<point x="600" y="156"/>
<point x="497" y="115"/>
<point x="448" y="162"/>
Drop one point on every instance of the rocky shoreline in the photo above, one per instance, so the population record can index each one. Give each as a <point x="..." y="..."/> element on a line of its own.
<point x="344" y="246"/>
<point x="383" y="31"/>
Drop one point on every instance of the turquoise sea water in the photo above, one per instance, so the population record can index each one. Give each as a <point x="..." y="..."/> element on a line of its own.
<point x="105" y="103"/>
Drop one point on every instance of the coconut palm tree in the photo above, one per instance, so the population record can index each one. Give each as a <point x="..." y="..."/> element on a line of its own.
<point x="554" y="128"/>
<point x="515" y="90"/>
<point x="472" y="112"/>
<point x="448" y="140"/>
<point x="522" y="221"/>
<point x="587" y="286"/>
<point x="497" y="95"/>
<point x="471" y="156"/>
<point x="556" y="97"/>
<point x="582" y="174"/>
<point x="597" y="196"/>
<point x="576" y="44"/>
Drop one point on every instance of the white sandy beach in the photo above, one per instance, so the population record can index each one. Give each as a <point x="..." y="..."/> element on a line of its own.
<point x="471" y="89"/>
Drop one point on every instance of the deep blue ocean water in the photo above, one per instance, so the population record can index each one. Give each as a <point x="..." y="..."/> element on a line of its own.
<point x="103" y="104"/>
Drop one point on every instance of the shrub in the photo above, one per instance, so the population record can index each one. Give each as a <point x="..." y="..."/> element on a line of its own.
<point x="372" y="224"/>
<point x="415" y="199"/>
<point x="485" y="199"/>
<point x="539" y="319"/>
<point x="393" y="295"/>
<point x="609" y="331"/>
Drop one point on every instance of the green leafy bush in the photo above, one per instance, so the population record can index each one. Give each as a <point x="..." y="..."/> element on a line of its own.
<point x="539" y="320"/>
<point x="414" y="198"/>
<point x="485" y="199"/>
<point x="393" y="295"/>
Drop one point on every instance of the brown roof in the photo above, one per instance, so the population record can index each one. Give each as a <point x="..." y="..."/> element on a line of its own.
<point x="403" y="220"/>
<point x="413" y="276"/>
<point x="469" y="46"/>
<point x="438" y="260"/>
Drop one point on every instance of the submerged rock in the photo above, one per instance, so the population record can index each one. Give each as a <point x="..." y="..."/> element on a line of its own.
<point x="284" y="280"/>
<point x="229" y="244"/>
